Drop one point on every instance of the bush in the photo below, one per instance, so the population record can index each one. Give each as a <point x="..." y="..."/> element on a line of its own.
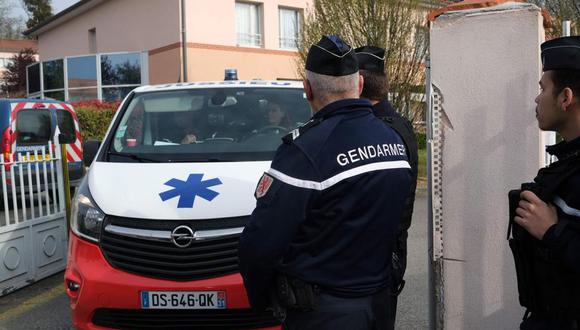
<point x="421" y="140"/>
<point x="94" y="117"/>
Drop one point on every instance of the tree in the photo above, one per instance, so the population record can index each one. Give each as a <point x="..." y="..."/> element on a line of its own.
<point x="398" y="26"/>
<point x="561" y="10"/>
<point x="10" y="27"/>
<point x="14" y="78"/>
<point x="37" y="11"/>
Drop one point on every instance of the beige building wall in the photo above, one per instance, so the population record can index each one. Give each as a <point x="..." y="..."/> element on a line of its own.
<point x="486" y="64"/>
<point x="208" y="63"/>
<point x="165" y="66"/>
<point x="154" y="26"/>
<point x="214" y="22"/>
<point x="211" y="35"/>
<point x="127" y="25"/>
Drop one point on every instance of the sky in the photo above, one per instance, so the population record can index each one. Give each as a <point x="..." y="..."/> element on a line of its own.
<point x="57" y="6"/>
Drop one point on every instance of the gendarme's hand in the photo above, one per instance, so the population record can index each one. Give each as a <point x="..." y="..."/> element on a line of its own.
<point x="534" y="215"/>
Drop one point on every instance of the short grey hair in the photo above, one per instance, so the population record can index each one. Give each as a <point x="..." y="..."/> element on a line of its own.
<point x="331" y="85"/>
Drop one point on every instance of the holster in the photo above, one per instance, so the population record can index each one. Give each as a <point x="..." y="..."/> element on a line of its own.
<point x="397" y="273"/>
<point x="293" y="293"/>
<point x="520" y="246"/>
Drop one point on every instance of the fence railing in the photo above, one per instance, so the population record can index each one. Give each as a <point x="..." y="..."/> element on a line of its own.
<point x="30" y="185"/>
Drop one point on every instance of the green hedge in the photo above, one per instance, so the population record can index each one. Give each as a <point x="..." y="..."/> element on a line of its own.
<point x="94" y="118"/>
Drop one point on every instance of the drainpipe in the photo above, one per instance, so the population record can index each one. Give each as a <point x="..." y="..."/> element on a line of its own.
<point x="183" y="41"/>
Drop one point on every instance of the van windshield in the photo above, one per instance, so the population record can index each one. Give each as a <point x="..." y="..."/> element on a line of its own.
<point x="204" y="125"/>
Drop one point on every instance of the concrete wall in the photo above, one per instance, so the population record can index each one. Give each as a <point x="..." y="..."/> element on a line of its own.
<point x="127" y="25"/>
<point x="486" y="64"/>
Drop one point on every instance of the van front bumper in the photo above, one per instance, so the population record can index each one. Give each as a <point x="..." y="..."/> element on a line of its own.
<point x="102" y="297"/>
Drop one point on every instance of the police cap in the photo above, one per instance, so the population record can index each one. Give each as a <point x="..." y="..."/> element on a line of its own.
<point x="331" y="56"/>
<point x="561" y="53"/>
<point x="371" y="58"/>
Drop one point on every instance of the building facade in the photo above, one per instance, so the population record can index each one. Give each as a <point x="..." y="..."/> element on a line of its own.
<point x="101" y="49"/>
<point x="9" y="48"/>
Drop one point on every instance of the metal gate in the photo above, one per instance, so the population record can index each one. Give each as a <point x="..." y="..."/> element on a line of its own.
<point x="33" y="230"/>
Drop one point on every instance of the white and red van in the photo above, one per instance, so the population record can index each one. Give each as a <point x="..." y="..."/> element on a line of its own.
<point x="156" y="221"/>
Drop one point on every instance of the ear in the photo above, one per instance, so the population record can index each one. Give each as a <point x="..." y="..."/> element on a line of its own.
<point x="361" y="83"/>
<point x="566" y="98"/>
<point x="308" y="90"/>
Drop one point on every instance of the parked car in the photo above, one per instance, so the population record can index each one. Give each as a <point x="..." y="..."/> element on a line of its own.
<point x="156" y="221"/>
<point x="27" y="126"/>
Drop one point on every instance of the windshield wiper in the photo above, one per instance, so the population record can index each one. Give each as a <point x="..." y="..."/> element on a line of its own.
<point x="134" y="157"/>
<point x="201" y="160"/>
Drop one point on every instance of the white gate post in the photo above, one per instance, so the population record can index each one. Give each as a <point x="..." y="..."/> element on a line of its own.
<point x="485" y="68"/>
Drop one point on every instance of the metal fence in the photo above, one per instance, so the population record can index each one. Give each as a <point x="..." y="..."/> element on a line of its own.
<point x="33" y="230"/>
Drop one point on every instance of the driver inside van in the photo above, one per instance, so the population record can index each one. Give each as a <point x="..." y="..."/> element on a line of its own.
<point x="277" y="116"/>
<point x="182" y="128"/>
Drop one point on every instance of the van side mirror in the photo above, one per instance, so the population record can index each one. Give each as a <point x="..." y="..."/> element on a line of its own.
<point x="90" y="151"/>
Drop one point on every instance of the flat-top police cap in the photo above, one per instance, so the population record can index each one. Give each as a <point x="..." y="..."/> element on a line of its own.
<point x="561" y="54"/>
<point x="371" y="58"/>
<point x="331" y="56"/>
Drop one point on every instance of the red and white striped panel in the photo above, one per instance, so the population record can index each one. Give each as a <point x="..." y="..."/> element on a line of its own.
<point x="74" y="151"/>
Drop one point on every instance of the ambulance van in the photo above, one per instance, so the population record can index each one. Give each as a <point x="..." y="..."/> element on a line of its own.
<point x="156" y="221"/>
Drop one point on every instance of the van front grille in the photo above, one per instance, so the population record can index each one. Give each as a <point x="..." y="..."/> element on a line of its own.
<point x="162" y="259"/>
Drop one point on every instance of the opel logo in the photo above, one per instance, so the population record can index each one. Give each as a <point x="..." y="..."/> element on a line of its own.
<point x="182" y="236"/>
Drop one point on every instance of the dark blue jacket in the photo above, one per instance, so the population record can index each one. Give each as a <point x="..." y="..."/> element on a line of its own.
<point x="328" y="208"/>
<point x="564" y="241"/>
<point x="385" y="109"/>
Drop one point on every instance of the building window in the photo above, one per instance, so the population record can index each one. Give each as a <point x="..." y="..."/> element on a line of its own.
<point x="53" y="79"/>
<point x="120" y="73"/>
<point x="33" y="78"/>
<point x="289" y="28"/>
<point x="248" y="24"/>
<point x="4" y="62"/>
<point x="82" y="78"/>
<point x="107" y="77"/>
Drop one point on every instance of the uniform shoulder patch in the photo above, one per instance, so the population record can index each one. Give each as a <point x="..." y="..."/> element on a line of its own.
<point x="295" y="133"/>
<point x="263" y="185"/>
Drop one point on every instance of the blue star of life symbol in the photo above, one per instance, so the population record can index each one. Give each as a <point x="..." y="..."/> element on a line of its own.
<point x="188" y="190"/>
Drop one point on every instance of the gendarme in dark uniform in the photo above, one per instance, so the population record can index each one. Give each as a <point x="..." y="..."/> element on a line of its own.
<point x="371" y="61"/>
<point x="328" y="209"/>
<point x="545" y="214"/>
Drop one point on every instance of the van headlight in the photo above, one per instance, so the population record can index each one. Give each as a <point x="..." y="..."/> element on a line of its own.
<point x="86" y="217"/>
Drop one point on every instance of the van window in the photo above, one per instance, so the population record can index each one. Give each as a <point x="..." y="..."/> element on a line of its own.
<point x="33" y="126"/>
<point x="213" y="124"/>
<point x="66" y="126"/>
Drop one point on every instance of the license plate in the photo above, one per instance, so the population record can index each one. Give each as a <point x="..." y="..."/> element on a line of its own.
<point x="183" y="299"/>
